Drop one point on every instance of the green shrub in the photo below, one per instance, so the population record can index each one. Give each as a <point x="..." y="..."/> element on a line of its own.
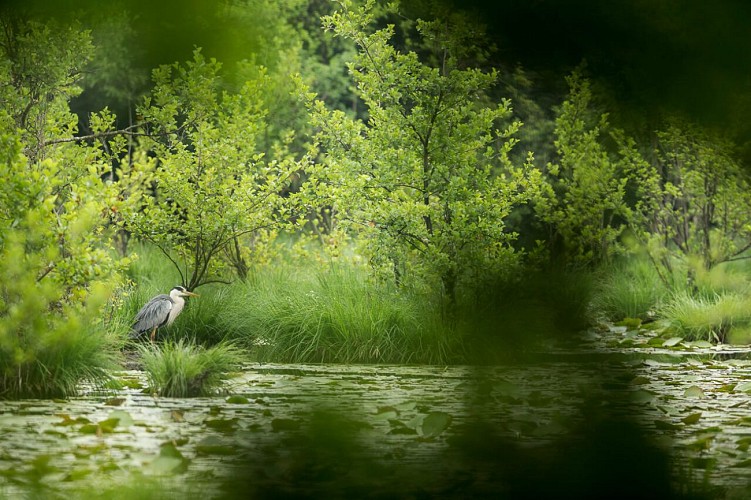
<point x="48" y="344"/>
<point x="184" y="369"/>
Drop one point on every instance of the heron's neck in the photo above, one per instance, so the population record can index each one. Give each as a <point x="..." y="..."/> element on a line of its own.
<point x="176" y="297"/>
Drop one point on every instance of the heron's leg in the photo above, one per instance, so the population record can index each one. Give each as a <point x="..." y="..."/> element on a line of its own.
<point x="153" y="334"/>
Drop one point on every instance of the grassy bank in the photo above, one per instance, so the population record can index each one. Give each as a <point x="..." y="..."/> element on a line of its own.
<point x="310" y="310"/>
<point x="712" y="305"/>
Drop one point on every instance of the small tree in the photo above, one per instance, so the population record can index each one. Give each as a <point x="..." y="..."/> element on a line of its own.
<point x="212" y="187"/>
<point x="586" y="213"/>
<point x="693" y="198"/>
<point x="427" y="179"/>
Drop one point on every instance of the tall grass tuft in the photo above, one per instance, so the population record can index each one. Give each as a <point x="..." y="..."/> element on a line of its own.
<point x="630" y="288"/>
<point x="337" y="315"/>
<point x="47" y="348"/>
<point x="707" y="318"/>
<point x="184" y="369"/>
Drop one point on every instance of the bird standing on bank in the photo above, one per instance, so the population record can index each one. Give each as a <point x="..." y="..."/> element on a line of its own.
<point x="159" y="311"/>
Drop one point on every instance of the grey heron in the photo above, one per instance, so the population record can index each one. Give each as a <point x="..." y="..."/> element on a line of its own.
<point x="159" y="311"/>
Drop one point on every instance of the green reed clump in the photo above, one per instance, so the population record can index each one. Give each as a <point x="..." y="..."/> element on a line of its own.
<point x="184" y="369"/>
<point x="707" y="318"/>
<point x="337" y="314"/>
<point x="629" y="288"/>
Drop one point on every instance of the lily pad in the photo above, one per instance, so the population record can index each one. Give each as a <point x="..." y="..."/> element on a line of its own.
<point x="284" y="424"/>
<point x="212" y="445"/>
<point x="435" y="423"/>
<point x="237" y="400"/>
<point x="691" y="419"/>
<point x="743" y="387"/>
<point x="666" y="426"/>
<point x="672" y="341"/>
<point x="694" y="392"/>
<point x="164" y="465"/>
<point x="124" y="419"/>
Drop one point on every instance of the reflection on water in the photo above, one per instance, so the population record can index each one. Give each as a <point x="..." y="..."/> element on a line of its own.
<point x="570" y="424"/>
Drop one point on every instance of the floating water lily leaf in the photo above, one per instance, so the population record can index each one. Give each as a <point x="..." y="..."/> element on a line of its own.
<point x="124" y="419"/>
<point x="76" y="475"/>
<point x="694" y="392"/>
<point x="672" y="341"/>
<point x="743" y="443"/>
<point x="666" y="426"/>
<point x="406" y="406"/>
<point x="435" y="423"/>
<point x="640" y="380"/>
<point x="642" y="396"/>
<point x="743" y="387"/>
<point x="284" y="424"/>
<point x="109" y="424"/>
<point x="221" y="424"/>
<point x="132" y="383"/>
<point x="655" y="342"/>
<point x="89" y="429"/>
<point x="114" y="401"/>
<point x="701" y="343"/>
<point x="691" y="419"/>
<point x="386" y="413"/>
<point x="104" y="427"/>
<point x="67" y="420"/>
<point x="212" y="445"/>
<point x="237" y="400"/>
<point x="400" y="428"/>
<point x="164" y="465"/>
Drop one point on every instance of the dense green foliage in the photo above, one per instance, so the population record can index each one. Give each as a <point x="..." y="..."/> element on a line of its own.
<point x="216" y="198"/>
<point x="415" y="215"/>
<point x="427" y="181"/>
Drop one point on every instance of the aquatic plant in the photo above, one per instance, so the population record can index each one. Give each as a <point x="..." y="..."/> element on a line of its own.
<point x="184" y="369"/>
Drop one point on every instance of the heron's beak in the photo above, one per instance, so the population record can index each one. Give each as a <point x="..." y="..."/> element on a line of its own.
<point x="191" y="294"/>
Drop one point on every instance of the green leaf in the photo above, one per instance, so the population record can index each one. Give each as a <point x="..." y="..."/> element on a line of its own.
<point x="237" y="400"/>
<point x="666" y="426"/>
<point x="672" y="341"/>
<point x="435" y="423"/>
<point x="691" y="419"/>
<point x="694" y="392"/>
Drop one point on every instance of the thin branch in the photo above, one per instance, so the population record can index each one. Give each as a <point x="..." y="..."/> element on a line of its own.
<point x="128" y="131"/>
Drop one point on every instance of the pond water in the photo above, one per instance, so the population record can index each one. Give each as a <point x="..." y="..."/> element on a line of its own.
<point x="674" y="419"/>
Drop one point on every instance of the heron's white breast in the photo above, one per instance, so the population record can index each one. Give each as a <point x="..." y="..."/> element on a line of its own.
<point x="177" y="306"/>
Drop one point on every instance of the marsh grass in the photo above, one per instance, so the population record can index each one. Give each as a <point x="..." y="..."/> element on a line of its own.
<point x="56" y="362"/>
<point x="315" y="310"/>
<point x="185" y="369"/>
<point x="629" y="288"/>
<point x="708" y="318"/>
<point x="47" y="349"/>
<point x="337" y="314"/>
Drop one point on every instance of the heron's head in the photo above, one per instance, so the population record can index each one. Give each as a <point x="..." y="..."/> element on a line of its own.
<point x="181" y="291"/>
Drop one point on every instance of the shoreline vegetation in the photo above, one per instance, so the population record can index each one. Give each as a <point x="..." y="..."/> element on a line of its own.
<point x="363" y="190"/>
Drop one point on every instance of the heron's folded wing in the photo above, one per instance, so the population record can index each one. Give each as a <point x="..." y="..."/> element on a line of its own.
<point x="153" y="314"/>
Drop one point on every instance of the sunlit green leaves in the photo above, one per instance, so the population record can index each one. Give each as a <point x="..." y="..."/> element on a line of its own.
<point x="218" y="200"/>
<point x="427" y="180"/>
